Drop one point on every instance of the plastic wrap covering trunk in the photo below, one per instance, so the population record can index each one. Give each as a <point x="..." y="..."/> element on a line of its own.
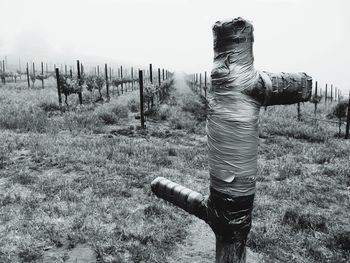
<point x="238" y="92"/>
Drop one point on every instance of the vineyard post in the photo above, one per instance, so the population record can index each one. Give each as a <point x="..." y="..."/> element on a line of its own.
<point x="80" y="95"/>
<point x="335" y="94"/>
<point x="331" y="93"/>
<point x="107" y="85"/>
<point x="200" y="85"/>
<point x="33" y="68"/>
<point x="110" y="74"/>
<point x="141" y="99"/>
<point x="163" y="74"/>
<point x="42" y="75"/>
<point x="299" y="111"/>
<point x="71" y="73"/>
<point x="1" y="71"/>
<point x="34" y="74"/>
<point x="159" y="84"/>
<point x="59" y="88"/>
<point x="28" y="80"/>
<point x="47" y="70"/>
<point x="132" y="78"/>
<point x="233" y="145"/>
<point x="347" y="132"/>
<point x="65" y="70"/>
<point x="4" y="71"/>
<point x="150" y="73"/>
<point x="151" y="81"/>
<point x="121" y="78"/>
<point x="205" y="85"/>
<point x="315" y="101"/>
<point x="326" y="94"/>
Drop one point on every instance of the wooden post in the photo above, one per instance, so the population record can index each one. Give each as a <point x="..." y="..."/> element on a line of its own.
<point x="163" y="74"/>
<point x="315" y="99"/>
<point x="47" y="70"/>
<point x="205" y="85"/>
<point x="107" y="85"/>
<point x="347" y="132"/>
<point x="331" y="93"/>
<point x="159" y="84"/>
<point x="80" y="95"/>
<point x="28" y="79"/>
<point x="65" y="70"/>
<point x="326" y="94"/>
<point x="4" y="71"/>
<point x="33" y="68"/>
<point x="150" y="73"/>
<point x="59" y="88"/>
<point x="335" y="94"/>
<point x="121" y="78"/>
<point x="233" y="145"/>
<point x="42" y="75"/>
<point x="200" y="84"/>
<point x="299" y="111"/>
<point x="132" y="78"/>
<point x="71" y="73"/>
<point x="20" y="67"/>
<point x="141" y="99"/>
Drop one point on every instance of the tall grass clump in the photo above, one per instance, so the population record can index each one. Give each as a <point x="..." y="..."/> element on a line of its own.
<point x="23" y="118"/>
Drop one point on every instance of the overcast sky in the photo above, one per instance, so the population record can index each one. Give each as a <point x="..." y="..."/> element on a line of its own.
<point x="290" y="35"/>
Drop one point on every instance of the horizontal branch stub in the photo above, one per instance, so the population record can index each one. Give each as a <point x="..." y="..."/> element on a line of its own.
<point x="187" y="199"/>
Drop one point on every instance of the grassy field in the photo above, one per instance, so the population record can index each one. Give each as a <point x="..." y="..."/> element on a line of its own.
<point x="80" y="180"/>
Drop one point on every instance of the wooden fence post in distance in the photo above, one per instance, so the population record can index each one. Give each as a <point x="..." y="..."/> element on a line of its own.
<point x="107" y="85"/>
<point x="28" y="79"/>
<point x="347" y="132"/>
<point x="42" y="75"/>
<point x="121" y="78"/>
<point x="141" y="99"/>
<point x="59" y="88"/>
<point x="205" y="85"/>
<point x="233" y="137"/>
<point x="80" y="95"/>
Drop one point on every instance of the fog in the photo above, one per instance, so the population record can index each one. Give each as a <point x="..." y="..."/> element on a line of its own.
<point x="290" y="35"/>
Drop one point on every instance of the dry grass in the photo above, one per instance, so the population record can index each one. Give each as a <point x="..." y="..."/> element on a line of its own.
<point x="66" y="180"/>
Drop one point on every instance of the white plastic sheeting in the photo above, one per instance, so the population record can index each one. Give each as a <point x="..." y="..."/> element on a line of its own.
<point x="238" y="92"/>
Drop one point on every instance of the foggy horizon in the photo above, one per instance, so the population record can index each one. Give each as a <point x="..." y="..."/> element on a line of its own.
<point x="290" y="35"/>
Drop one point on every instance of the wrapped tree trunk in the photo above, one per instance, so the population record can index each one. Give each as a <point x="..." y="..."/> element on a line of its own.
<point x="232" y="132"/>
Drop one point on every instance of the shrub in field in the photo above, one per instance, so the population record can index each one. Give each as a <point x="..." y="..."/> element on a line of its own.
<point x="164" y="111"/>
<point x="134" y="104"/>
<point x="49" y="106"/>
<point x="182" y="120"/>
<point x="28" y="118"/>
<point x="340" y="111"/>
<point x="112" y="112"/>
<point x="90" y="85"/>
<point x="77" y="121"/>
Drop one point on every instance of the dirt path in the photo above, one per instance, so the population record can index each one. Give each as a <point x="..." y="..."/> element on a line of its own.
<point x="199" y="246"/>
